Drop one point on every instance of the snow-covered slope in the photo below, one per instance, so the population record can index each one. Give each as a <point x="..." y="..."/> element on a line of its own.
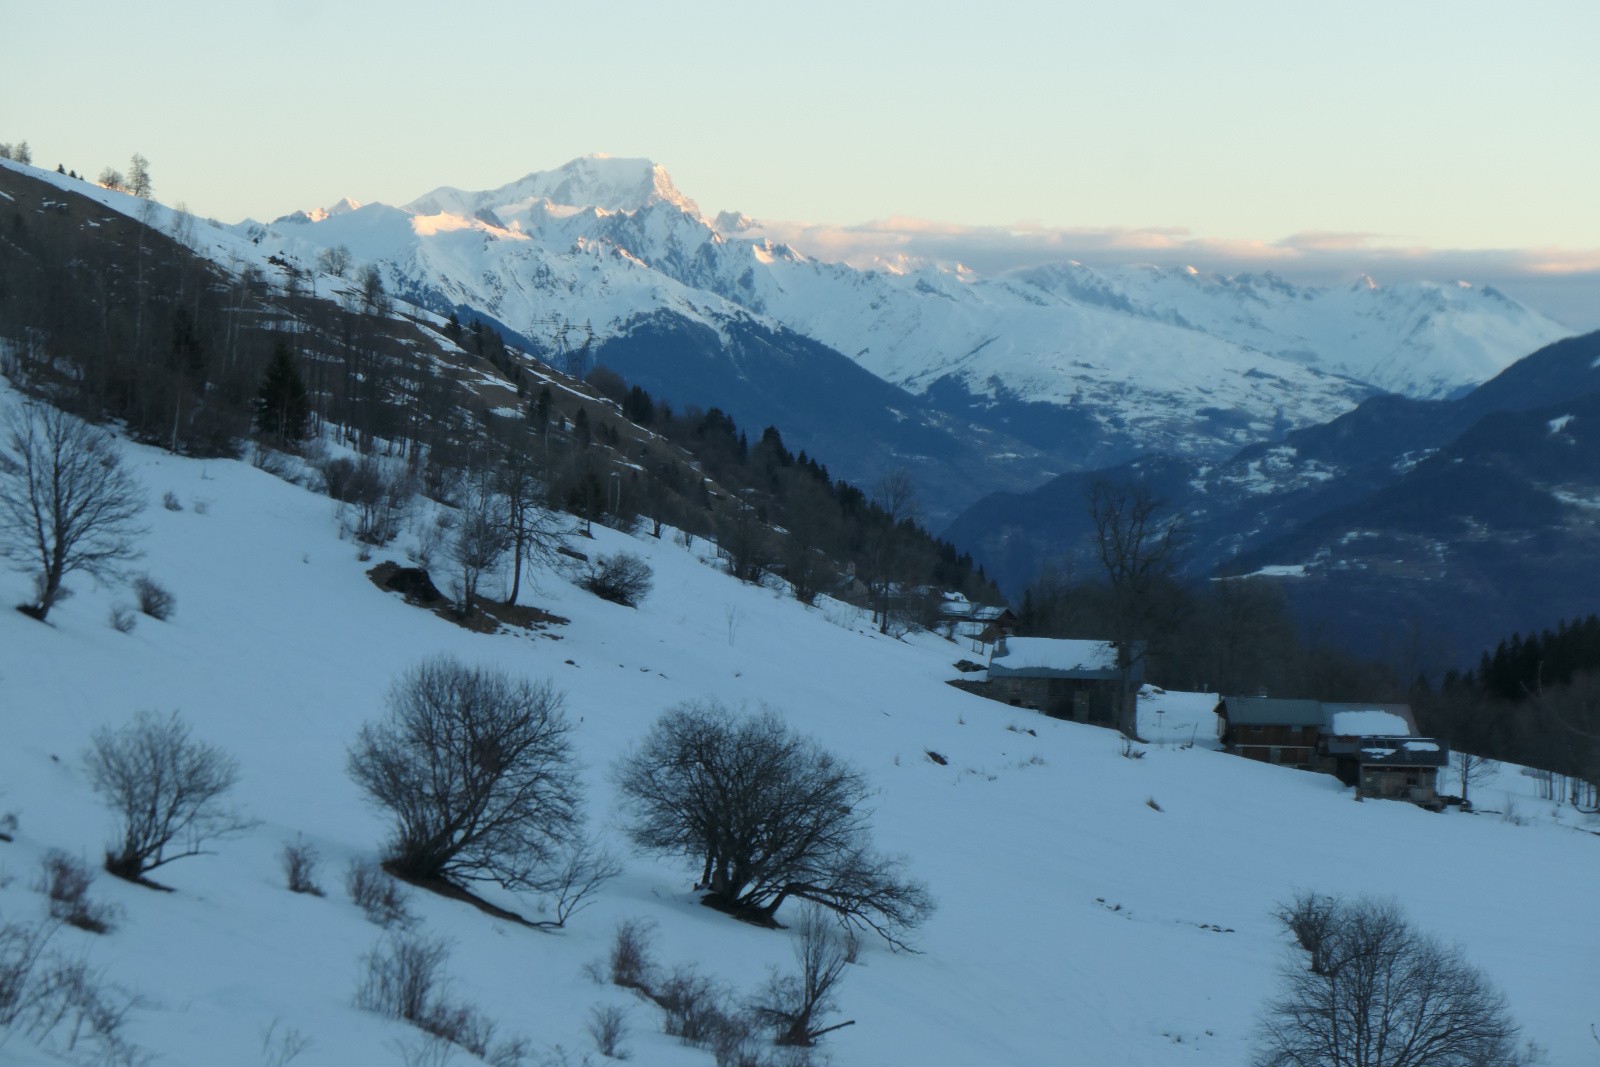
<point x="1146" y="357"/>
<point x="1077" y="923"/>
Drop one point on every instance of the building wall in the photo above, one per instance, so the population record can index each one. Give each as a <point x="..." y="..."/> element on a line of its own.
<point x="1294" y="745"/>
<point x="1062" y="698"/>
<point x="1416" y="784"/>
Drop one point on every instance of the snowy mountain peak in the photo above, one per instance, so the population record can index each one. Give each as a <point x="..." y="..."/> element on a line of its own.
<point x="600" y="181"/>
<point x="730" y="222"/>
<point x="344" y="207"/>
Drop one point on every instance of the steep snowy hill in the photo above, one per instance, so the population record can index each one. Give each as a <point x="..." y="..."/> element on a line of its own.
<point x="1092" y="908"/>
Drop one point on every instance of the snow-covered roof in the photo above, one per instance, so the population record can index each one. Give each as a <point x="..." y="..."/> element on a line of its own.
<point x="1403" y="752"/>
<point x="1369" y="720"/>
<point x="1336" y="720"/>
<point x="1049" y="657"/>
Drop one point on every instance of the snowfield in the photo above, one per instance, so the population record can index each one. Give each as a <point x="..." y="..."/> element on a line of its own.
<point x="1076" y="924"/>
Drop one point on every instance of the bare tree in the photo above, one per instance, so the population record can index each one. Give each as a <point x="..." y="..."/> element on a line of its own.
<point x="1376" y="993"/>
<point x="796" y="1005"/>
<point x="66" y="502"/>
<point x="480" y="538"/>
<point x="1470" y="770"/>
<point x="139" y="183"/>
<point x="769" y="814"/>
<point x="335" y="261"/>
<point x="895" y="496"/>
<point x="537" y="530"/>
<point x="169" y="792"/>
<point x="1139" y="550"/>
<point x="477" y="771"/>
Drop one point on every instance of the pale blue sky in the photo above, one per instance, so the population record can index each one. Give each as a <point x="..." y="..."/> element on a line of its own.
<point x="1432" y="125"/>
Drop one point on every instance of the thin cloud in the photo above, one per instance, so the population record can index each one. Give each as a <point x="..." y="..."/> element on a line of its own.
<point x="1312" y="257"/>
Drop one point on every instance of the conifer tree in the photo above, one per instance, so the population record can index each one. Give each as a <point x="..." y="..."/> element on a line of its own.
<point x="281" y="404"/>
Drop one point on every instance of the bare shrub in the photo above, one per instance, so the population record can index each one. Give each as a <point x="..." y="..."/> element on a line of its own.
<point x="21" y="955"/>
<point x="403" y="977"/>
<point x="796" y="1005"/>
<point x="281" y="1046"/>
<point x="66" y="881"/>
<point x="620" y="577"/>
<point x="477" y="770"/>
<point x="377" y="894"/>
<point x="380" y="497"/>
<point x="1376" y="991"/>
<point x="123" y="619"/>
<point x="608" y="1026"/>
<point x="71" y="998"/>
<point x="165" y="788"/>
<point x="632" y="955"/>
<point x="769" y="815"/>
<point x="694" y="1005"/>
<point x="570" y="886"/>
<point x="154" y="598"/>
<point x="300" y="862"/>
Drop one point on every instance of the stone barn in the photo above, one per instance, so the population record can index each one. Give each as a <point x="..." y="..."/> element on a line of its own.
<point x="1077" y="680"/>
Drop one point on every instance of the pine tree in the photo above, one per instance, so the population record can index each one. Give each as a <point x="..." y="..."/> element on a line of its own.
<point x="281" y="405"/>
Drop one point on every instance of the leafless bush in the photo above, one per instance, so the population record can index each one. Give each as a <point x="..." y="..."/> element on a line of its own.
<point x="282" y="1046"/>
<point x="155" y="600"/>
<point x="769" y="815"/>
<point x="1374" y="991"/>
<point x="380" y="497"/>
<point x="403" y="977"/>
<point x="620" y="577"/>
<point x="608" y="1026"/>
<point x="795" y="1005"/>
<point x="632" y="952"/>
<point x="71" y="999"/>
<point x="123" y="619"/>
<point x="377" y="894"/>
<point x="66" y="881"/>
<point x="21" y="955"/>
<point x="477" y="770"/>
<point x="300" y="862"/>
<point x="694" y="1005"/>
<point x="165" y="788"/>
<point x="571" y="885"/>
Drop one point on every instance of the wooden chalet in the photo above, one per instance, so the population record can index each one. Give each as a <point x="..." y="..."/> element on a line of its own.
<point x="981" y="625"/>
<point x="1373" y="747"/>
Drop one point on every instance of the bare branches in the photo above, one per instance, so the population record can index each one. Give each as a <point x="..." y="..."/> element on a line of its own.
<point x="66" y="502"/>
<point x="477" y="770"/>
<point x="1376" y="992"/>
<point x="769" y="814"/>
<point x="167" y="789"/>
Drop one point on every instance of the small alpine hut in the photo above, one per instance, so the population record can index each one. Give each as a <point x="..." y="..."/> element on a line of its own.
<point x="1078" y="680"/>
<point x="1375" y="748"/>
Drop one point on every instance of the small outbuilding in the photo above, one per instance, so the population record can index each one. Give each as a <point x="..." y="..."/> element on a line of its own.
<point x="1077" y="680"/>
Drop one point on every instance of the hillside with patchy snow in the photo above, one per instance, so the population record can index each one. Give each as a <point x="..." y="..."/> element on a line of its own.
<point x="1091" y="908"/>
